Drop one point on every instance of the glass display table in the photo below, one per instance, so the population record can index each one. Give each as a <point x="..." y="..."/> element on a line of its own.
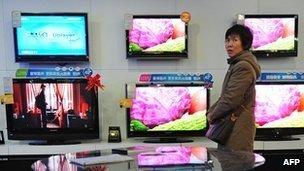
<point x="178" y="157"/>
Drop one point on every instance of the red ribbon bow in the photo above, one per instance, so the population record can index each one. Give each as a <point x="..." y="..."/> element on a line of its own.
<point x="94" y="82"/>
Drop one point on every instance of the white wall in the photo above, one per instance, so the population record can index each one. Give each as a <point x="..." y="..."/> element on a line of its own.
<point x="210" y="19"/>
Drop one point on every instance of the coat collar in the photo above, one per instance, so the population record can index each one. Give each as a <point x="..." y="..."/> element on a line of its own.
<point x="237" y="57"/>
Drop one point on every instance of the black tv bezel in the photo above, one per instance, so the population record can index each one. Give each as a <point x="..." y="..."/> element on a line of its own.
<point x="278" y="53"/>
<point x="157" y="55"/>
<point x="169" y="134"/>
<point x="279" y="131"/>
<point x="52" y="134"/>
<point x="52" y="57"/>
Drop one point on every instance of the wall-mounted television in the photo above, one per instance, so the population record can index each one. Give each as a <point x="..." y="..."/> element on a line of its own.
<point x="52" y="110"/>
<point x="166" y="112"/>
<point x="279" y="109"/>
<point x="274" y="35"/>
<point x="52" y="37"/>
<point x="157" y="37"/>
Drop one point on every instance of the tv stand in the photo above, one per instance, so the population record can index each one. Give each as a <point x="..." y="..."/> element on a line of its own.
<point x="54" y="142"/>
<point x="276" y="138"/>
<point x="167" y="140"/>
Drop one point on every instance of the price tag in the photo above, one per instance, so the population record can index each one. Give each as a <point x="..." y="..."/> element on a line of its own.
<point x="7" y="99"/>
<point x="125" y="103"/>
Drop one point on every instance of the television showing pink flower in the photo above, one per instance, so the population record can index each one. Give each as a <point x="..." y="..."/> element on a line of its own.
<point x="279" y="105"/>
<point x="169" y="108"/>
<point x="157" y="36"/>
<point x="274" y="35"/>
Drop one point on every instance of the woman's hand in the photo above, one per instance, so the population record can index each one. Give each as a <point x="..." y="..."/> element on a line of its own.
<point x="209" y="117"/>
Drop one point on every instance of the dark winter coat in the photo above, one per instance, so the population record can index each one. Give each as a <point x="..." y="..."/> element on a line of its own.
<point x="238" y="90"/>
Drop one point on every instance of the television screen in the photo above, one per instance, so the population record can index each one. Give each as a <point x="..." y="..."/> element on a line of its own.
<point x="279" y="107"/>
<point x="168" y="110"/>
<point x="173" y="156"/>
<point x="160" y="37"/>
<point x="52" y="37"/>
<point x="52" y="109"/>
<point x="273" y="35"/>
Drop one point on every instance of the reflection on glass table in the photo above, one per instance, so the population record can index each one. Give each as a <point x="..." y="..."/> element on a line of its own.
<point x="178" y="157"/>
<point x="175" y="156"/>
<point x="226" y="160"/>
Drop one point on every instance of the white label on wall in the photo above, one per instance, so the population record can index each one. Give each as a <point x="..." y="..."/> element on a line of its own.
<point x="240" y="19"/>
<point x="16" y="19"/>
<point x="7" y="85"/>
<point x="128" y="21"/>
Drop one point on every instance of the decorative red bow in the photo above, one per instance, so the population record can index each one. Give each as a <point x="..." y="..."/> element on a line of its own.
<point x="94" y="82"/>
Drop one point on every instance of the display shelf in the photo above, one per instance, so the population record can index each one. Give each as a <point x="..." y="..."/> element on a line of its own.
<point x="15" y="148"/>
<point x="258" y="145"/>
<point x="283" y="145"/>
<point x="23" y="148"/>
<point x="4" y="149"/>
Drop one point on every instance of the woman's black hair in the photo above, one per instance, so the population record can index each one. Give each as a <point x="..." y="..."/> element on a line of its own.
<point x="244" y="32"/>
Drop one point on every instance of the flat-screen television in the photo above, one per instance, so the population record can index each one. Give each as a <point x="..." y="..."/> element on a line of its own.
<point x="52" y="37"/>
<point x="166" y="112"/>
<point x="157" y="37"/>
<point x="279" y="109"/>
<point x="52" y="110"/>
<point x="274" y="35"/>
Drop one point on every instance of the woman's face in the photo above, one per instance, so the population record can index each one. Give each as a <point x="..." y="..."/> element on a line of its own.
<point x="233" y="45"/>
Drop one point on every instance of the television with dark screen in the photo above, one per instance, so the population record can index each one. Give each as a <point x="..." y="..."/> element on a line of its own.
<point x="274" y="35"/>
<point x="279" y="109"/>
<point x="157" y="37"/>
<point x="53" y="110"/>
<point x="166" y="112"/>
<point x="52" y="37"/>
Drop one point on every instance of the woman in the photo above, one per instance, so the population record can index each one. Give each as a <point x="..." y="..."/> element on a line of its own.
<point x="238" y="89"/>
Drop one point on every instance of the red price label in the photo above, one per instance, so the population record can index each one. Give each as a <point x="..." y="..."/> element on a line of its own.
<point x="145" y="78"/>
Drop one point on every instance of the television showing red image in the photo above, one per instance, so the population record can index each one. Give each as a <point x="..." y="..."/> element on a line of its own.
<point x="52" y="109"/>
